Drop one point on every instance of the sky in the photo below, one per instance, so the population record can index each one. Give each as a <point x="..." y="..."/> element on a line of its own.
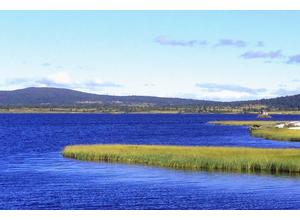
<point x="213" y="55"/>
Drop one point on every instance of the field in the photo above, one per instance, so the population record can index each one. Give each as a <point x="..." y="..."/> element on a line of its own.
<point x="233" y="159"/>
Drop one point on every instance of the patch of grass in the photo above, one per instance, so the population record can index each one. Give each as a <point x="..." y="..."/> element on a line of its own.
<point x="247" y="123"/>
<point x="231" y="159"/>
<point x="266" y="129"/>
<point x="281" y="134"/>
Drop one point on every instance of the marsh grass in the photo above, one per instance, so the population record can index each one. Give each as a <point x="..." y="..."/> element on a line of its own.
<point x="247" y="123"/>
<point x="266" y="130"/>
<point x="232" y="159"/>
<point x="281" y="134"/>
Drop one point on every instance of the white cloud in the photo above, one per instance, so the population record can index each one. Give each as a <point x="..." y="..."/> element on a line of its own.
<point x="226" y="96"/>
<point x="230" y="92"/>
<point x="61" y="78"/>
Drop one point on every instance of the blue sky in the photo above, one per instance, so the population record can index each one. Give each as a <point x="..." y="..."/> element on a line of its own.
<point x="216" y="55"/>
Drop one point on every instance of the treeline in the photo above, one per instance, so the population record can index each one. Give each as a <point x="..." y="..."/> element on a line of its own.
<point x="134" y="108"/>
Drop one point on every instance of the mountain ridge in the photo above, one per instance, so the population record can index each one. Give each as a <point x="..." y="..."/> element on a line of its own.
<point x="61" y="97"/>
<point x="51" y="95"/>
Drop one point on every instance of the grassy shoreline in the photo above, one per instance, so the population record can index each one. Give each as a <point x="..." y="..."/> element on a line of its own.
<point x="265" y="129"/>
<point x="279" y="134"/>
<point x="228" y="159"/>
<point x="246" y="123"/>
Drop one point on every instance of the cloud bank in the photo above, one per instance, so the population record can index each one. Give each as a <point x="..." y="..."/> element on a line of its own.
<point x="232" y="92"/>
<point x="286" y="92"/>
<point x="231" y="42"/>
<point x="163" y="40"/>
<point x="262" y="54"/>
<point x="294" y="59"/>
<point x="62" y="80"/>
<point x="229" y="92"/>
<point x="228" y="42"/>
<point x="212" y="87"/>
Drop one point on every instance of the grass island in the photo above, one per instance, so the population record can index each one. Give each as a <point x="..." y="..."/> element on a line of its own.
<point x="231" y="159"/>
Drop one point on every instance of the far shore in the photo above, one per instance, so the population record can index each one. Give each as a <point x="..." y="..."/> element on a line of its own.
<point x="95" y="111"/>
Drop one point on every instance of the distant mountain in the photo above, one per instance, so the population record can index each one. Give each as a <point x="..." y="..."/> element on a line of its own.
<point x="57" y="97"/>
<point x="66" y="97"/>
<point x="286" y="102"/>
<point x="281" y="103"/>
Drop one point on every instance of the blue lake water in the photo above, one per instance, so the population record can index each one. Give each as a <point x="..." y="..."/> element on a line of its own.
<point x="34" y="175"/>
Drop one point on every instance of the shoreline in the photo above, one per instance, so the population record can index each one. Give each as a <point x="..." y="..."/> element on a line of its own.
<point x="265" y="129"/>
<point x="196" y="158"/>
<point x="153" y="112"/>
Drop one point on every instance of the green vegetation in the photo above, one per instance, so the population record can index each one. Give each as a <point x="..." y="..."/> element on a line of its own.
<point x="281" y="134"/>
<point x="233" y="159"/>
<point x="124" y="109"/>
<point x="246" y="123"/>
<point x="284" y="112"/>
<point x="266" y="129"/>
<point x="135" y="110"/>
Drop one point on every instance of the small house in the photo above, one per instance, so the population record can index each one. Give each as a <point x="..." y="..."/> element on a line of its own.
<point x="263" y="114"/>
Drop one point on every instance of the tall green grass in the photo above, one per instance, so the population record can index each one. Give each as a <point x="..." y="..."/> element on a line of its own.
<point x="266" y="129"/>
<point x="234" y="159"/>
<point x="280" y="134"/>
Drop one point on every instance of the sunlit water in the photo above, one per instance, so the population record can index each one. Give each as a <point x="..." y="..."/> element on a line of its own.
<point x="34" y="175"/>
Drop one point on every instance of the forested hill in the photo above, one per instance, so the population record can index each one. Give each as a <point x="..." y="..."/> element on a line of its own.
<point x="66" y="97"/>
<point x="286" y="102"/>
<point x="57" y="97"/>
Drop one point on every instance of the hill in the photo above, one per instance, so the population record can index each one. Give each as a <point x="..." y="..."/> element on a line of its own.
<point x="70" y="99"/>
<point x="34" y="96"/>
<point x="287" y="102"/>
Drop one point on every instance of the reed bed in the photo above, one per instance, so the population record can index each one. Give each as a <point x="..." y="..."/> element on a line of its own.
<point x="232" y="159"/>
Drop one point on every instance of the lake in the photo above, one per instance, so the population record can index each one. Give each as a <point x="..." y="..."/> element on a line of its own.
<point x="34" y="175"/>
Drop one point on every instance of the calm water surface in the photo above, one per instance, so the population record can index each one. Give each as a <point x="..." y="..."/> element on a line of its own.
<point x="34" y="175"/>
